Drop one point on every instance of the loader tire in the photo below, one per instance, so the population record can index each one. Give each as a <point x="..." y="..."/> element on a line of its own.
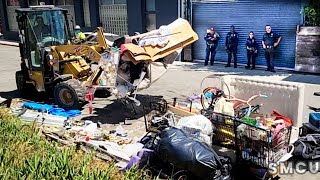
<point x="21" y="83"/>
<point x="69" y="95"/>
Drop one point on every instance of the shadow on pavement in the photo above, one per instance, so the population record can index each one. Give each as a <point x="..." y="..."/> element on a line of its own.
<point x="10" y="94"/>
<point x="219" y="68"/>
<point x="34" y="96"/>
<point x="117" y="112"/>
<point x="303" y="78"/>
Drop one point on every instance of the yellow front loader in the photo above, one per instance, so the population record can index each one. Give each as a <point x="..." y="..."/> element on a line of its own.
<point x="50" y="60"/>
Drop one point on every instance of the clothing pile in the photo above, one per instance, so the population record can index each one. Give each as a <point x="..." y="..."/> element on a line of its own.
<point x="307" y="147"/>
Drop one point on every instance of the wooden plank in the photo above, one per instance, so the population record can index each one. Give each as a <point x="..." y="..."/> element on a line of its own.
<point x="180" y="112"/>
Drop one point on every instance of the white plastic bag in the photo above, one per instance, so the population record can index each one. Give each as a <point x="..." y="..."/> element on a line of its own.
<point x="197" y="122"/>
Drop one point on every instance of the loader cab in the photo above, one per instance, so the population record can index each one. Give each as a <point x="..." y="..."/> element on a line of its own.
<point x="40" y="27"/>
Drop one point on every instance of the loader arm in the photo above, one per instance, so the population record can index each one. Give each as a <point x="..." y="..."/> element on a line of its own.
<point x="91" y="52"/>
<point x="101" y="38"/>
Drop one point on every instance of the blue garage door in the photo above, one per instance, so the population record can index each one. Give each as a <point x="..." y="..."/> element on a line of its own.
<point x="282" y="15"/>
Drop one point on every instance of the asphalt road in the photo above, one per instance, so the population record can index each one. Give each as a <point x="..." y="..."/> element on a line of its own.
<point x="182" y="81"/>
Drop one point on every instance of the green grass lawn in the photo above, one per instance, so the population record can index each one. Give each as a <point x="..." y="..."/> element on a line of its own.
<point x="25" y="155"/>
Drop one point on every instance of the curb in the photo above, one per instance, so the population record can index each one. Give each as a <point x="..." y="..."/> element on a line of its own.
<point x="9" y="43"/>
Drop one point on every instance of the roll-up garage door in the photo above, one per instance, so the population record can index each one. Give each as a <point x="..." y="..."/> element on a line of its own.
<point x="248" y="15"/>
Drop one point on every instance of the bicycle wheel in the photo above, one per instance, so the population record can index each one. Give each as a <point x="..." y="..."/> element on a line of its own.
<point x="212" y="93"/>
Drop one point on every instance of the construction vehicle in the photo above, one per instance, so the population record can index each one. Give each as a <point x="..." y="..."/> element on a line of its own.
<point x="53" y="62"/>
<point x="50" y="60"/>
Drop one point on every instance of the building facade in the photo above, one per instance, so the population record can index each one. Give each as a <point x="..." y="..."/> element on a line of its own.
<point x="115" y="16"/>
<point x="110" y="14"/>
<point x="129" y="16"/>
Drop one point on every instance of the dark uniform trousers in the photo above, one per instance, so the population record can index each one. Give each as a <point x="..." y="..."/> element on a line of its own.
<point x="232" y="51"/>
<point x="211" y="49"/>
<point x="269" y="55"/>
<point x="251" y="55"/>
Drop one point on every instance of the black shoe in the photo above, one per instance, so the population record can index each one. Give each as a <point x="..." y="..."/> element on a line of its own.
<point x="211" y="64"/>
<point x="267" y="70"/>
<point x="253" y="68"/>
<point x="247" y="67"/>
<point x="235" y="66"/>
<point x="228" y="65"/>
<point x="205" y="64"/>
<point x="273" y="71"/>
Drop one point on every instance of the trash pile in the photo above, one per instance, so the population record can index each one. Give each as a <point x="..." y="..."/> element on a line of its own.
<point x="160" y="43"/>
<point x="64" y="127"/>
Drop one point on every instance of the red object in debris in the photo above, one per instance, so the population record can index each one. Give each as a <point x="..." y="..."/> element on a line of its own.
<point x="90" y="94"/>
<point x="87" y="139"/>
<point x="90" y="97"/>
<point x="279" y="116"/>
<point x="90" y="109"/>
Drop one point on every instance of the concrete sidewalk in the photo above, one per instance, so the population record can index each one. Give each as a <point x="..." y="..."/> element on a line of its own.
<point x="9" y="43"/>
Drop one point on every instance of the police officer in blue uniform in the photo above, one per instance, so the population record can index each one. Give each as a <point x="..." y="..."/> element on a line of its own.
<point x="270" y="43"/>
<point x="232" y="40"/>
<point x="211" y="39"/>
<point x="252" y="50"/>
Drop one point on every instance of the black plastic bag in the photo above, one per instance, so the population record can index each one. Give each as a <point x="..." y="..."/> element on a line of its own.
<point x="186" y="153"/>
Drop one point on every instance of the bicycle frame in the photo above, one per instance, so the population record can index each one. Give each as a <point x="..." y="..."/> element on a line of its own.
<point x="240" y="102"/>
<point x="237" y="101"/>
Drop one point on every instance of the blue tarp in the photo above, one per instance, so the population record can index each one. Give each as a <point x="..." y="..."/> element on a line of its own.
<point x="51" y="109"/>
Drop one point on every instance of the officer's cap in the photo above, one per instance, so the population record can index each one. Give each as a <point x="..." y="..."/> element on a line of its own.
<point x="212" y="29"/>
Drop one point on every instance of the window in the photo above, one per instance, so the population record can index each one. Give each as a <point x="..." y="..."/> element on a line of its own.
<point x="151" y="16"/>
<point x="151" y="22"/>
<point x="106" y="2"/>
<point x="12" y="5"/>
<point x="59" y="2"/>
<point x="69" y="2"/>
<point x="120" y="1"/>
<point x="150" y="5"/>
<point x="111" y="2"/>
<point x="86" y="13"/>
<point x="63" y="2"/>
<point x="33" y="2"/>
<point x="47" y="28"/>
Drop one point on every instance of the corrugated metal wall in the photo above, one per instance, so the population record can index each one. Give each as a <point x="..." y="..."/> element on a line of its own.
<point x="282" y="15"/>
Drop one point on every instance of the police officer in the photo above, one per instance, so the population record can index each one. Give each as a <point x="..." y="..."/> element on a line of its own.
<point x="252" y="50"/>
<point x="211" y="39"/>
<point x="232" y="40"/>
<point x="270" y="42"/>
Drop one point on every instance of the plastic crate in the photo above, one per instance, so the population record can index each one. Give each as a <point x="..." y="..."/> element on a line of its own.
<point x="224" y="131"/>
<point x="259" y="146"/>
